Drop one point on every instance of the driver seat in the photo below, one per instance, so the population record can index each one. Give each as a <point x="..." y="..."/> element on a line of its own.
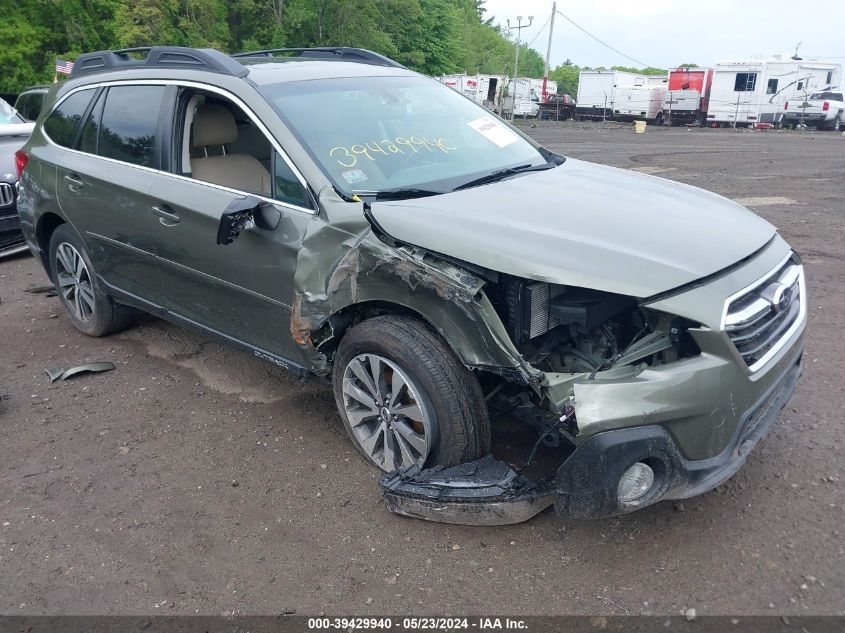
<point x="214" y="125"/>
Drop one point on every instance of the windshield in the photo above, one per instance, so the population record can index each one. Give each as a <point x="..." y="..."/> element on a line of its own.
<point x="373" y="134"/>
<point x="8" y="114"/>
<point x="832" y="96"/>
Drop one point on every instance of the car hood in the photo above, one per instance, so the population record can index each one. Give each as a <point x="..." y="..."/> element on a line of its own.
<point x="583" y="224"/>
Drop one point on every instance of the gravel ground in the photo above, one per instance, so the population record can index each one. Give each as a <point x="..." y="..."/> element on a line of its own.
<point x="196" y="479"/>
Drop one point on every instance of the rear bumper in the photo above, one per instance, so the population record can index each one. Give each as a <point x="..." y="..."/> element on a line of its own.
<point x="815" y="117"/>
<point x="587" y="481"/>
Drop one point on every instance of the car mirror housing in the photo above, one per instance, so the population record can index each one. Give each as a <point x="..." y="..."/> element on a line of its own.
<point x="240" y="211"/>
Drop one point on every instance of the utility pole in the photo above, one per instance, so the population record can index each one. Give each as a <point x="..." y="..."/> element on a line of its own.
<point x="549" y="54"/>
<point x="518" y="28"/>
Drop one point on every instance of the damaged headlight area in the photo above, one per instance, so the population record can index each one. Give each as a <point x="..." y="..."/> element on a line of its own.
<point x="563" y="329"/>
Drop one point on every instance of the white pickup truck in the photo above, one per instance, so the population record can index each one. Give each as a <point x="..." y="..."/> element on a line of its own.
<point x="825" y="110"/>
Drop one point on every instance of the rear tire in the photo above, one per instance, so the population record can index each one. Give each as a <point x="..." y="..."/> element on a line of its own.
<point x="91" y="311"/>
<point x="447" y="421"/>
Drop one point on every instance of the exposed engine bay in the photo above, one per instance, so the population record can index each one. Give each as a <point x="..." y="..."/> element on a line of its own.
<point x="577" y="330"/>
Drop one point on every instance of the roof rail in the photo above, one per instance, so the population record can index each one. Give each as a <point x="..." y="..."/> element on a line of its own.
<point x="345" y="53"/>
<point x="158" y="57"/>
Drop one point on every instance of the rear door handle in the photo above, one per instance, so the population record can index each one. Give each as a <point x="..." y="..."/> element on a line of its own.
<point x="165" y="215"/>
<point x="74" y="182"/>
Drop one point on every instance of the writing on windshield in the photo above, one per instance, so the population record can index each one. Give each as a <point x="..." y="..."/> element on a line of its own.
<point x="347" y="156"/>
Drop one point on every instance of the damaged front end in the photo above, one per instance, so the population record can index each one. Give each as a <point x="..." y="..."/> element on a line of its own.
<point x="484" y="492"/>
<point x="602" y="386"/>
<point x="568" y="336"/>
<point x="641" y="404"/>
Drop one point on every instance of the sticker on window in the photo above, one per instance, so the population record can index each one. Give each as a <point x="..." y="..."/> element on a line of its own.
<point x="493" y="131"/>
<point x="354" y="175"/>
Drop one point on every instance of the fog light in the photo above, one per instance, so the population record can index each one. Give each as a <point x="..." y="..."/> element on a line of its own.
<point x="635" y="482"/>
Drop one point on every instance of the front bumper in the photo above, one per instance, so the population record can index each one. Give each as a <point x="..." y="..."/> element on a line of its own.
<point x="490" y="492"/>
<point x="11" y="237"/>
<point x="587" y="481"/>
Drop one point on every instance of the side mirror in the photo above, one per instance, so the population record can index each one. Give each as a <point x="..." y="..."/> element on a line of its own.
<point x="240" y="211"/>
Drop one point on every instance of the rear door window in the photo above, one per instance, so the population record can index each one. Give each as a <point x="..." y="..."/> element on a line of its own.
<point x="130" y="123"/>
<point x="61" y="125"/>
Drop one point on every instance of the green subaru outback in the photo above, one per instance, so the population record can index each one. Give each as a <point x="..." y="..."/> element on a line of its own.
<point x="339" y="215"/>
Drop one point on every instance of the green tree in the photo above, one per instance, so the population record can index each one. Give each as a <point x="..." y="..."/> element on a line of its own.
<point x="432" y="36"/>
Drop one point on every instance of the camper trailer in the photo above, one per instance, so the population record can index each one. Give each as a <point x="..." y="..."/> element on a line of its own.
<point x="527" y="94"/>
<point x="486" y="90"/>
<point x="751" y="92"/>
<point x="688" y="95"/>
<point x="599" y="91"/>
<point x="637" y="103"/>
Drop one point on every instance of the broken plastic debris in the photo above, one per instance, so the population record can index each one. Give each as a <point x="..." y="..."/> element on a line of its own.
<point x="58" y="373"/>
<point x="486" y="491"/>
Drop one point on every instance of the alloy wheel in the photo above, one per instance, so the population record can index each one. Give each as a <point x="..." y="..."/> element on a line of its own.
<point x="75" y="282"/>
<point x="388" y="419"/>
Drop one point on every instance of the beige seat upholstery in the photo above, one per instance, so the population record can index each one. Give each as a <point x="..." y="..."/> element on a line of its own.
<point x="215" y="125"/>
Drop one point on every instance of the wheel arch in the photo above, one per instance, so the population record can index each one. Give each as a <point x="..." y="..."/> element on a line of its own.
<point x="47" y="224"/>
<point x="474" y="344"/>
<point x="374" y="278"/>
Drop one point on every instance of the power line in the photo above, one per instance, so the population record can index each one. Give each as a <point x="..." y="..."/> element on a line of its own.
<point x="540" y="32"/>
<point x="603" y="43"/>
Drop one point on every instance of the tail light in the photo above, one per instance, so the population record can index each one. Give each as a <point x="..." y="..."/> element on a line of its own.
<point x="786" y="106"/>
<point x="826" y="106"/>
<point x="21" y="159"/>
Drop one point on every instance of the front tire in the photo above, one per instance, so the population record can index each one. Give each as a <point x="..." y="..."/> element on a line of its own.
<point x="91" y="311"/>
<point x="406" y="399"/>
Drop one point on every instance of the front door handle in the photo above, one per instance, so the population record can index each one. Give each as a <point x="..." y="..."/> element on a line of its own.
<point x="73" y="182"/>
<point x="165" y="215"/>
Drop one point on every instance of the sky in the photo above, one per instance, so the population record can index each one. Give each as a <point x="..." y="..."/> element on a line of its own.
<point x="667" y="33"/>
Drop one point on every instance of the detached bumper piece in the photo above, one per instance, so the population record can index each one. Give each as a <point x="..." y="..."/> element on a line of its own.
<point x="484" y="492"/>
<point x="587" y="485"/>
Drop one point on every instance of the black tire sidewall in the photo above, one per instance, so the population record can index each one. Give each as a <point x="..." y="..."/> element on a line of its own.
<point x="103" y="306"/>
<point x="450" y="444"/>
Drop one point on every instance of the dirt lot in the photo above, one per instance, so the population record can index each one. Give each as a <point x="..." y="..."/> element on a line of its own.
<point x="195" y="479"/>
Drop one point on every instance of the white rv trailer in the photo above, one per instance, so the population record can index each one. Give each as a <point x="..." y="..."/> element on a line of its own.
<point x="527" y="94"/>
<point x="750" y="92"/>
<point x="635" y="103"/>
<point x="486" y="90"/>
<point x="598" y="91"/>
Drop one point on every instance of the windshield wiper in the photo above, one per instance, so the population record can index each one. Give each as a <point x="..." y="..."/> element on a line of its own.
<point x="401" y="193"/>
<point x="500" y="174"/>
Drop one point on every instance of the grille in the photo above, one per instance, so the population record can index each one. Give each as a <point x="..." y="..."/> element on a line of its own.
<point x="760" y="319"/>
<point x="7" y="194"/>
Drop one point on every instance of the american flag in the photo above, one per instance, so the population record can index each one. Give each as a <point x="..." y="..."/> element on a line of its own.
<point x="64" y="67"/>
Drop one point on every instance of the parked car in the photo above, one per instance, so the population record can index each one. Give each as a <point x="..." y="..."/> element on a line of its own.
<point x="29" y="102"/>
<point x="825" y="110"/>
<point x="13" y="134"/>
<point x="337" y="214"/>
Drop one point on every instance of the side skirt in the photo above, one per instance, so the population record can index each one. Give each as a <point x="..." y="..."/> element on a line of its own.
<point x="161" y="312"/>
